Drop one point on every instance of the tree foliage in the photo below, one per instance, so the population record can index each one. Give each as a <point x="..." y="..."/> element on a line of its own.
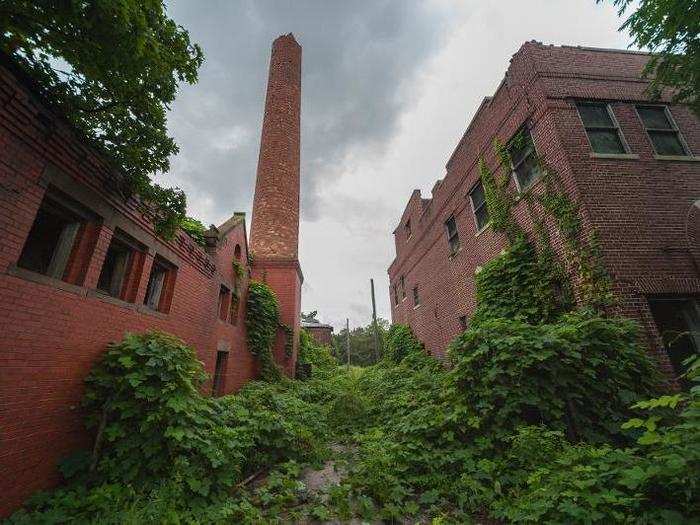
<point x="361" y="344"/>
<point x="671" y="30"/>
<point x="113" y="68"/>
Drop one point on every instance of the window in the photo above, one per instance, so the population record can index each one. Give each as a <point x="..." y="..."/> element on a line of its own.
<point x="463" y="323"/>
<point x="601" y="128"/>
<point x="217" y="387"/>
<point x="159" y="282"/>
<point x="452" y="235"/>
<point x="481" y="212"/>
<point x="403" y="288"/>
<point x="662" y="131"/>
<point x="523" y="160"/>
<point x="678" y="322"/>
<point x="416" y="297"/>
<point x="224" y="295"/>
<point x="119" y="263"/>
<point x="52" y="238"/>
<point x="407" y="227"/>
<point x="396" y="294"/>
<point x="235" y="301"/>
<point x="237" y="251"/>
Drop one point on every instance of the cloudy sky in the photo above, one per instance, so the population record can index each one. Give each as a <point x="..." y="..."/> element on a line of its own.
<point x="388" y="87"/>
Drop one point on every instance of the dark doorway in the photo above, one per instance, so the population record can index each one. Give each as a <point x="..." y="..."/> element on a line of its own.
<point x="678" y="322"/>
<point x="219" y="371"/>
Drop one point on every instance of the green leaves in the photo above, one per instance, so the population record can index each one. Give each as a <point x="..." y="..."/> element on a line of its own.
<point x="262" y="322"/>
<point x="113" y="68"/>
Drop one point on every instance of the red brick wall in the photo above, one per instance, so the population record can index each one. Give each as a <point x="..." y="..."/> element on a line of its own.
<point x="52" y="332"/>
<point x="637" y="206"/>
<point x="321" y="334"/>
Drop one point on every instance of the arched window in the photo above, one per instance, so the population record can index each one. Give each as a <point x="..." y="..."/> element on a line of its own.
<point x="237" y="251"/>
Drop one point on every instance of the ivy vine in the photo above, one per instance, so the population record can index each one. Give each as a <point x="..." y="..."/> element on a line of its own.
<point x="262" y="321"/>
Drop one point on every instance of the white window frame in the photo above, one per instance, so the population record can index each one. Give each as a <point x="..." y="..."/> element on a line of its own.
<point x="674" y="127"/>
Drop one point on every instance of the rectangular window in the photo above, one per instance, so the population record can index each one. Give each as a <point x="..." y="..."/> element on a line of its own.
<point x="601" y="127"/>
<point x="233" y="311"/>
<point x="396" y="294"/>
<point x="160" y="281"/>
<point x="403" y="288"/>
<point x="224" y="297"/>
<point x="416" y="297"/>
<point x="217" y="388"/>
<point x="118" y="265"/>
<point x="407" y="227"/>
<point x="452" y="235"/>
<point x="523" y="160"/>
<point x="662" y="131"/>
<point x="463" y="323"/>
<point x="52" y="238"/>
<point x="481" y="212"/>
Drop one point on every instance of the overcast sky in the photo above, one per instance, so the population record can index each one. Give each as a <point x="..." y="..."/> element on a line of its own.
<point x="388" y="88"/>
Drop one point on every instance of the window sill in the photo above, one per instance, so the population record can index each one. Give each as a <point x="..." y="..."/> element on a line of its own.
<point x="97" y="294"/>
<point x="454" y="254"/>
<point x="677" y="158"/>
<point x="482" y="230"/>
<point x="416" y="307"/>
<point x="614" y="156"/>
<point x="143" y="309"/>
<point x="40" y="278"/>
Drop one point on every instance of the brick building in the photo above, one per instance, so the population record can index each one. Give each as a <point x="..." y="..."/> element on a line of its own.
<point x="629" y="163"/>
<point x="321" y="333"/>
<point x="80" y="265"/>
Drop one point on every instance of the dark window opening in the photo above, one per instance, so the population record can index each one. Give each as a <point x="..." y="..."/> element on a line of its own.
<point x="159" y="281"/>
<point x="452" y="235"/>
<point x="524" y="160"/>
<point x="117" y="266"/>
<point x="237" y="251"/>
<point x="403" y="288"/>
<point x="601" y="127"/>
<point x="51" y="240"/>
<point x="678" y="321"/>
<point x="481" y="212"/>
<point x="233" y="317"/>
<point x="416" y="297"/>
<point x="396" y="294"/>
<point x="224" y="297"/>
<point x="217" y="388"/>
<point x="662" y="131"/>
<point x="407" y="227"/>
<point x="463" y="322"/>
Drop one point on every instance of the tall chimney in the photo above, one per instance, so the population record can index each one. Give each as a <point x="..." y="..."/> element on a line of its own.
<point x="274" y="231"/>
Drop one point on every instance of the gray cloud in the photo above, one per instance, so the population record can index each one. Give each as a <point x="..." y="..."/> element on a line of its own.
<point x="356" y="56"/>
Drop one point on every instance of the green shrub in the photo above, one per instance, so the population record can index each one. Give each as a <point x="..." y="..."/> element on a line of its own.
<point x="401" y="342"/>
<point x="578" y="375"/>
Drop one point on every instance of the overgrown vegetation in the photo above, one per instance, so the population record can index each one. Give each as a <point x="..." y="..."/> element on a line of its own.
<point x="262" y="322"/>
<point x="113" y="68"/>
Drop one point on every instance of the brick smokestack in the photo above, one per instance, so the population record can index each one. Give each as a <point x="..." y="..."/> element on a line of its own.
<point x="274" y="231"/>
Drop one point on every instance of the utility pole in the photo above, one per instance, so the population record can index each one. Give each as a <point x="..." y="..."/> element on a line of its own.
<point x="347" y="339"/>
<point x="374" y="323"/>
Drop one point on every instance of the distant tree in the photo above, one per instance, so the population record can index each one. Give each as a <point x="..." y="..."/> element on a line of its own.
<point x="361" y="344"/>
<point x="113" y="68"/>
<point x="309" y="317"/>
<point x="671" y="30"/>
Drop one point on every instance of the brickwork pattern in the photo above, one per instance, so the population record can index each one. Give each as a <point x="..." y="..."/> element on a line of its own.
<point x="51" y="332"/>
<point x="637" y="206"/>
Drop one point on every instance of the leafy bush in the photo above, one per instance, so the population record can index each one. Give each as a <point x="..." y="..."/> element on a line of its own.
<point x="195" y="229"/>
<point x="578" y="375"/>
<point x="401" y="342"/>
<point x="520" y="284"/>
